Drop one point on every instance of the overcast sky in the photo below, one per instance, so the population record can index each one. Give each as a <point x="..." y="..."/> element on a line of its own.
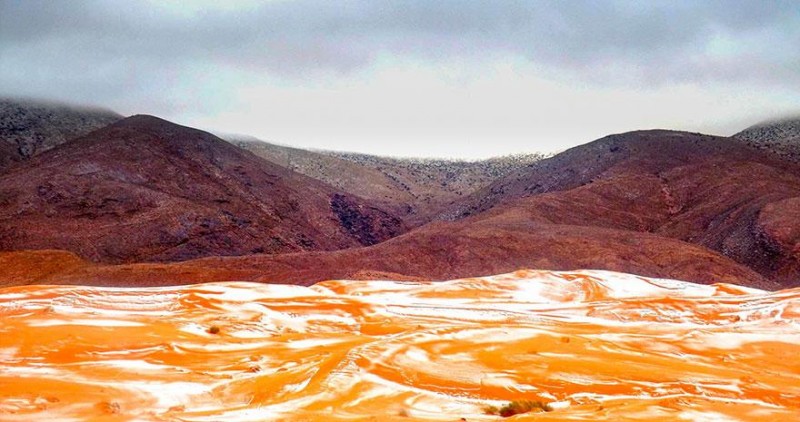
<point x="413" y="78"/>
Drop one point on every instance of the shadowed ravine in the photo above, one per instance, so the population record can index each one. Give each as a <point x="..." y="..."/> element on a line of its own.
<point x="594" y="345"/>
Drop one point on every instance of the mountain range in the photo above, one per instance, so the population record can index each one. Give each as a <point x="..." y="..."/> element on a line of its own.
<point x="144" y="189"/>
<point x="142" y="201"/>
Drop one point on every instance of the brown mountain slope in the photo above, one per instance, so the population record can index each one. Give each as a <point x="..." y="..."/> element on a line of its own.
<point x="440" y="251"/>
<point x="413" y="188"/>
<point x="146" y="189"/>
<point x="705" y="190"/>
<point x="28" y="127"/>
<point x="779" y="137"/>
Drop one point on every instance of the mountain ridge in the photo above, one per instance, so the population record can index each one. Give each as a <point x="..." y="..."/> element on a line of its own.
<point x="170" y="192"/>
<point x="659" y="203"/>
<point x="702" y="189"/>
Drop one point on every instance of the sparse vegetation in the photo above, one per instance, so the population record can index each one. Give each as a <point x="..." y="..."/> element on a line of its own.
<point x="454" y="176"/>
<point x="778" y="137"/>
<point x="518" y="407"/>
<point x="417" y="183"/>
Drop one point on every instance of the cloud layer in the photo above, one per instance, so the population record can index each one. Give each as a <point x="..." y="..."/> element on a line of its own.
<point x="454" y="78"/>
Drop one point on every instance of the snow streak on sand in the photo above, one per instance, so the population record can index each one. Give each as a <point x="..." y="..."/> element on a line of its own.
<point x="595" y="345"/>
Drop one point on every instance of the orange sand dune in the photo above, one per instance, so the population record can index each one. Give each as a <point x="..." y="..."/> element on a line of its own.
<point x="594" y="345"/>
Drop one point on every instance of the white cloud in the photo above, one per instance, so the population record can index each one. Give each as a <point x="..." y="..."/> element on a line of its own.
<point x="456" y="109"/>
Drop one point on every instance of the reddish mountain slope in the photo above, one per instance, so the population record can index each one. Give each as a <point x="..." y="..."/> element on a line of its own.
<point x="144" y="189"/>
<point x="437" y="251"/>
<point x="8" y="155"/>
<point x="644" y="152"/>
<point x="655" y="203"/>
<point x="710" y="191"/>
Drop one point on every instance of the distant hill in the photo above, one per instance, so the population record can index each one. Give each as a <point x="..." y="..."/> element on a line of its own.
<point x="343" y="174"/>
<point x="779" y="137"/>
<point x="29" y="127"/>
<point x="437" y="182"/>
<point x="414" y="188"/>
<point x="144" y="189"/>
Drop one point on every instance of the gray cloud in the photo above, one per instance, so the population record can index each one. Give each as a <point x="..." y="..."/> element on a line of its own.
<point x="121" y="53"/>
<point x="304" y="36"/>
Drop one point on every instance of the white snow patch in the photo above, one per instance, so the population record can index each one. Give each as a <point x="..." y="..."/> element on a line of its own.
<point x="700" y="416"/>
<point x="89" y="322"/>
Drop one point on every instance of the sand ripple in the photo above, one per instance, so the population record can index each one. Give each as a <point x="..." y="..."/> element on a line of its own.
<point x="596" y="345"/>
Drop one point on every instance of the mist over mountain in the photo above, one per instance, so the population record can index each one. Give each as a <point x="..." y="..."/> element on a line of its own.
<point x="30" y="127"/>
<point x="780" y="137"/>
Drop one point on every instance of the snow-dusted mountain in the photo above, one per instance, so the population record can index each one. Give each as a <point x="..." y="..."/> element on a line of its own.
<point x="780" y="137"/>
<point x="31" y="127"/>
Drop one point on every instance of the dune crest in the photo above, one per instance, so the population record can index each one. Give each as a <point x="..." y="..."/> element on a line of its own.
<point x="593" y="345"/>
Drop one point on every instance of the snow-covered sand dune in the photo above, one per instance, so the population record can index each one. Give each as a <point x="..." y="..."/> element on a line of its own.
<point x="594" y="345"/>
